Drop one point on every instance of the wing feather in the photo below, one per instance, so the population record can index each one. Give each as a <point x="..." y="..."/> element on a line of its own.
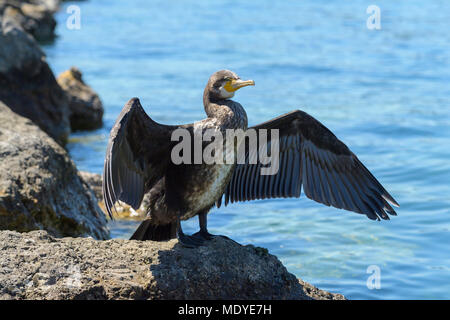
<point x="136" y="157"/>
<point x="311" y="156"/>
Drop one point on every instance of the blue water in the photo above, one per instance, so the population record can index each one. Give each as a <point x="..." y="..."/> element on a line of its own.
<point x="383" y="92"/>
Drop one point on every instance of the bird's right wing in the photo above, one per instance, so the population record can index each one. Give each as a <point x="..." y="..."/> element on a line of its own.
<point x="136" y="158"/>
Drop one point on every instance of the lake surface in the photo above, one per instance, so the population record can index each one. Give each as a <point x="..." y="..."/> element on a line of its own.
<point x="385" y="93"/>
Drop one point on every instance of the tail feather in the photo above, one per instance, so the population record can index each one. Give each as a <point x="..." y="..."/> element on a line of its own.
<point x="149" y="231"/>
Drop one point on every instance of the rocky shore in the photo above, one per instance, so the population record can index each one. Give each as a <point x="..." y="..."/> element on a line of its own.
<point x="40" y="187"/>
<point x="35" y="265"/>
<point x="27" y="84"/>
<point x="69" y="256"/>
<point x="34" y="16"/>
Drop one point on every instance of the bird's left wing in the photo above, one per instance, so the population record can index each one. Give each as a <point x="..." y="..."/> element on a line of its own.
<point x="312" y="156"/>
<point x="136" y="157"/>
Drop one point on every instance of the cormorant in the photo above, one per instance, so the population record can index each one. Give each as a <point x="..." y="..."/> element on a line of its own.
<point x="138" y="160"/>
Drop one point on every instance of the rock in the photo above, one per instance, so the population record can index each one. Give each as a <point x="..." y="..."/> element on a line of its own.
<point x="39" y="185"/>
<point x="35" y="17"/>
<point x="124" y="211"/>
<point x="27" y="85"/>
<point x="317" y="294"/>
<point x="35" y="265"/>
<point x="86" y="109"/>
<point x="94" y="180"/>
<point x="51" y="5"/>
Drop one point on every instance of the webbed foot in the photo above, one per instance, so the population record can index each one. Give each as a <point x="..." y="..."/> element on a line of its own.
<point x="189" y="241"/>
<point x="205" y="235"/>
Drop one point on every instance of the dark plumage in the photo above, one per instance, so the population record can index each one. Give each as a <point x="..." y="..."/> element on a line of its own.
<point x="138" y="161"/>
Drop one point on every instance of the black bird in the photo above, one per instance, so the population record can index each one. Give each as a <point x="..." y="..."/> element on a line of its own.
<point x="138" y="160"/>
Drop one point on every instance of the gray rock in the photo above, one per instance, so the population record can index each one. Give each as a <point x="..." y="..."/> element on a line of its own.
<point x="35" y="17"/>
<point x="18" y="50"/>
<point x="86" y="109"/>
<point x="27" y="85"/>
<point x="35" y="265"/>
<point x="94" y="180"/>
<point x="39" y="185"/>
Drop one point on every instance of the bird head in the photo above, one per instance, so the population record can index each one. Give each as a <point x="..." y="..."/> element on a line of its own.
<point x="224" y="83"/>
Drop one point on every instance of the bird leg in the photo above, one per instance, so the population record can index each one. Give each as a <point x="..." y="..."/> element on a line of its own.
<point x="203" y="233"/>
<point x="185" y="240"/>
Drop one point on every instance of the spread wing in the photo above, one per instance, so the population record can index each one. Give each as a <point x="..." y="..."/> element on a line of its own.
<point x="312" y="156"/>
<point x="136" y="157"/>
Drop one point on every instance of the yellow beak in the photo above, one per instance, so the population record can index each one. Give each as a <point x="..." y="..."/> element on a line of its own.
<point x="233" y="85"/>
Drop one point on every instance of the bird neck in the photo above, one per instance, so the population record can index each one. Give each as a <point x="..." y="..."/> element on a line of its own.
<point x="213" y="107"/>
<point x="228" y="112"/>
